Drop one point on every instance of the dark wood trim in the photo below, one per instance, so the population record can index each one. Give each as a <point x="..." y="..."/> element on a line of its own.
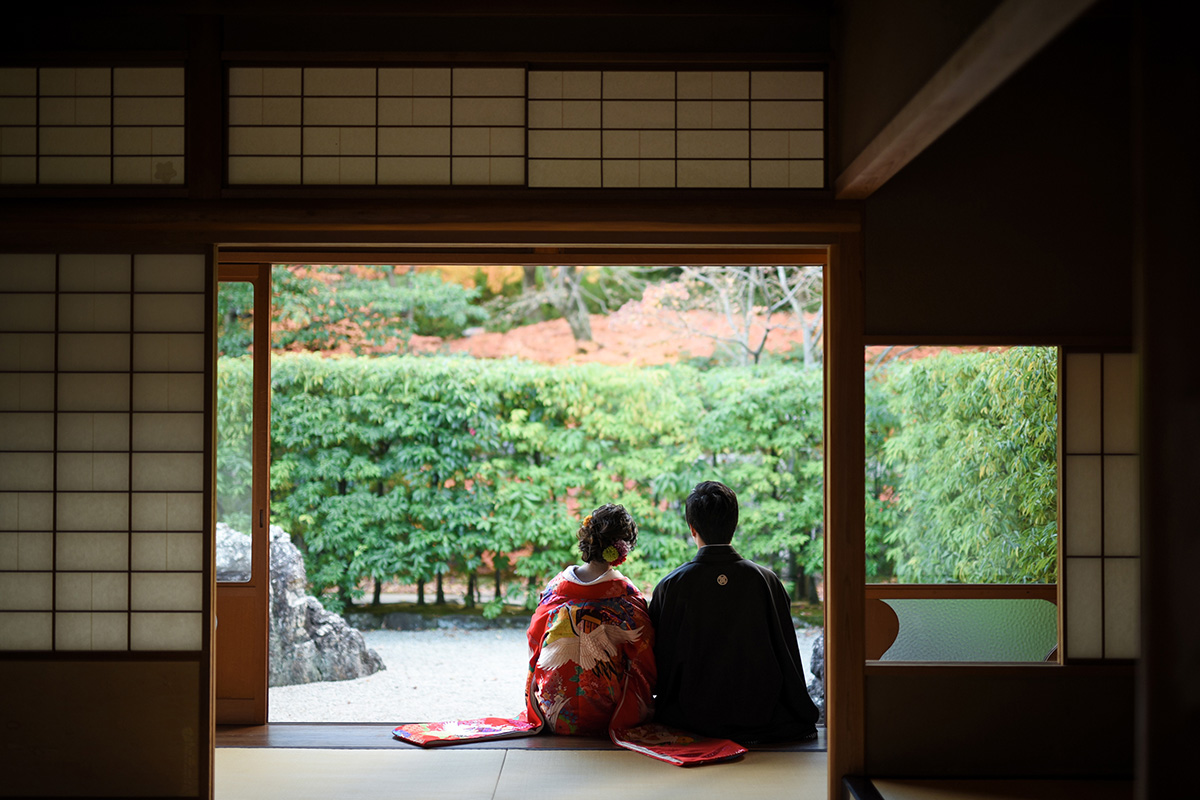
<point x="103" y="655"/>
<point x="377" y="736"/>
<point x="1060" y="451"/>
<point x="204" y="744"/>
<point x="845" y="545"/>
<point x="860" y="788"/>
<point x="1073" y="341"/>
<point x="67" y="191"/>
<point x="968" y="591"/>
<point x="1006" y="40"/>
<point x="537" y="256"/>
<point x="205" y="109"/>
<point x="474" y="219"/>
<point x="537" y="60"/>
<point x="94" y="58"/>
<point x="985" y="670"/>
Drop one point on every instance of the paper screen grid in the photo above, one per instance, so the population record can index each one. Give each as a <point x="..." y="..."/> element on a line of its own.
<point x="431" y="126"/>
<point x="441" y="126"/>
<point x="677" y="129"/>
<point x="1101" y="508"/>
<point x="92" y="125"/>
<point x="102" y="389"/>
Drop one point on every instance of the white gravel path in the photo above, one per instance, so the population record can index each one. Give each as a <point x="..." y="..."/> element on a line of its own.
<point x="432" y="675"/>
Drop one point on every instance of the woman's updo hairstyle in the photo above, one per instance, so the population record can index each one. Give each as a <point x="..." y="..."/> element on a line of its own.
<point x="607" y="534"/>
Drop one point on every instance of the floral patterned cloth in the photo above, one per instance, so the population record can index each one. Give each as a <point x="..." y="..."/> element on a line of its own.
<point x="591" y="672"/>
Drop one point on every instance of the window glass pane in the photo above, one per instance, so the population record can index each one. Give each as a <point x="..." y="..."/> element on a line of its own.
<point x="973" y="629"/>
<point x="235" y="421"/>
<point x="961" y="460"/>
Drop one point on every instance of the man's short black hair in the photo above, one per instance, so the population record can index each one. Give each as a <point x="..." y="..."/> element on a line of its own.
<point x="712" y="511"/>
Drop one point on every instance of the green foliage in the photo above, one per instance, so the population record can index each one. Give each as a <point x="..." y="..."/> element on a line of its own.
<point x="973" y="467"/>
<point x="407" y="468"/>
<point x="235" y="419"/>
<point x="410" y="468"/>
<point x="364" y="309"/>
<point x="235" y="314"/>
<point x="766" y="434"/>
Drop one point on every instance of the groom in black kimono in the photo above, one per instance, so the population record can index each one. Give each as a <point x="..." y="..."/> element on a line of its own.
<point x="728" y="663"/>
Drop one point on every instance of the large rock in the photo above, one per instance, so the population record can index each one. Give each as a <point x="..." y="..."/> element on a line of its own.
<point x="308" y="643"/>
<point x="816" y="688"/>
<point x="233" y="554"/>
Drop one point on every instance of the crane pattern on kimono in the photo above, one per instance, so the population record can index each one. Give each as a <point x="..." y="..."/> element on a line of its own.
<point x="578" y="636"/>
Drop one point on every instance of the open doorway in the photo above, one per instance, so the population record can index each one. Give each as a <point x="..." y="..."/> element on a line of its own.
<point x="626" y="415"/>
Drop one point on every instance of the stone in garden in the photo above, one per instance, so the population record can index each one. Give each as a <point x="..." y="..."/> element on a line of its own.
<point x="308" y="643"/>
<point x="816" y="688"/>
<point x="233" y="554"/>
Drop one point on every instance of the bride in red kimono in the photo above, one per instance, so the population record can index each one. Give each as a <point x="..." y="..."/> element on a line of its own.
<point x="591" y="644"/>
<point x="591" y="661"/>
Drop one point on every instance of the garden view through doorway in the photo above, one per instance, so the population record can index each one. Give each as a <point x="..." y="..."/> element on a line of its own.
<point x="460" y="504"/>
<point x="437" y="433"/>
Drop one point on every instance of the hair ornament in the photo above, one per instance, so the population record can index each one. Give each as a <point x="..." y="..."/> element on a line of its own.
<point x="615" y="553"/>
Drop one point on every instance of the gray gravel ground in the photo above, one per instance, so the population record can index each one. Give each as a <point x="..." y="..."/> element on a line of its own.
<point x="432" y="675"/>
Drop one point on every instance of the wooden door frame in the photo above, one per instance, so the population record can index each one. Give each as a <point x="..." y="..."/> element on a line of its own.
<point x="845" y="604"/>
<point x="248" y="603"/>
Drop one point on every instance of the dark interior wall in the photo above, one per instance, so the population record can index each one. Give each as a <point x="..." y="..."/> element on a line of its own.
<point x="370" y="27"/>
<point x="1017" y="221"/>
<point x="1031" y="722"/>
<point x="887" y="50"/>
<point x="102" y="729"/>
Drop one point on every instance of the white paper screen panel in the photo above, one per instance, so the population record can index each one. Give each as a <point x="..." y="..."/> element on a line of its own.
<point x="1101" y="531"/>
<point x="376" y="126"/>
<point x="438" y="126"/>
<point x="678" y="129"/>
<point x="92" y="125"/>
<point x="102" y="486"/>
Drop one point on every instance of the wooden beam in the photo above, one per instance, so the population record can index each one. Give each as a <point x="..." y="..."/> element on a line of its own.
<point x="845" y="542"/>
<point x="435" y="219"/>
<point x="522" y="256"/>
<point x="1006" y="40"/>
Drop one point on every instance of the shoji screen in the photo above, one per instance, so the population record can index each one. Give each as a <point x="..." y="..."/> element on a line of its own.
<point x="92" y="125"/>
<point x="102" y="452"/>
<point x="1101" y="506"/>
<point x="682" y="129"/>
<point x="434" y="126"/>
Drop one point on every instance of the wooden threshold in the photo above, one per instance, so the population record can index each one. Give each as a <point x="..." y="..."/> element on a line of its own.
<point x="378" y="735"/>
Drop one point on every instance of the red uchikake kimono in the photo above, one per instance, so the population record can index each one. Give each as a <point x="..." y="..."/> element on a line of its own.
<point x="591" y="673"/>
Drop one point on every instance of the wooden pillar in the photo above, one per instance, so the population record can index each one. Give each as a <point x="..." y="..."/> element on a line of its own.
<point x="845" y="546"/>
<point x="205" y="108"/>
<point x="1167" y="170"/>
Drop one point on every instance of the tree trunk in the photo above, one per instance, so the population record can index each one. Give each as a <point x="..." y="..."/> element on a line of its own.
<point x="441" y="594"/>
<point x="575" y="307"/>
<point x="377" y="597"/>
<point x="420" y="593"/>
<point x="529" y="286"/>
<point x="499" y="583"/>
<point x="469" y="597"/>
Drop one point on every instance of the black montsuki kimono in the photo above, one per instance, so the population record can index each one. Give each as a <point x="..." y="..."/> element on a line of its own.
<point x="728" y="663"/>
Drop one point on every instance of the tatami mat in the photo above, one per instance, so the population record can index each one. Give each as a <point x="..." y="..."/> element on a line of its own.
<point x="268" y="773"/>
<point x="604" y="775"/>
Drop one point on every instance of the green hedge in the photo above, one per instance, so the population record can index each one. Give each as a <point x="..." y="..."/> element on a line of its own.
<point x="409" y="468"/>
